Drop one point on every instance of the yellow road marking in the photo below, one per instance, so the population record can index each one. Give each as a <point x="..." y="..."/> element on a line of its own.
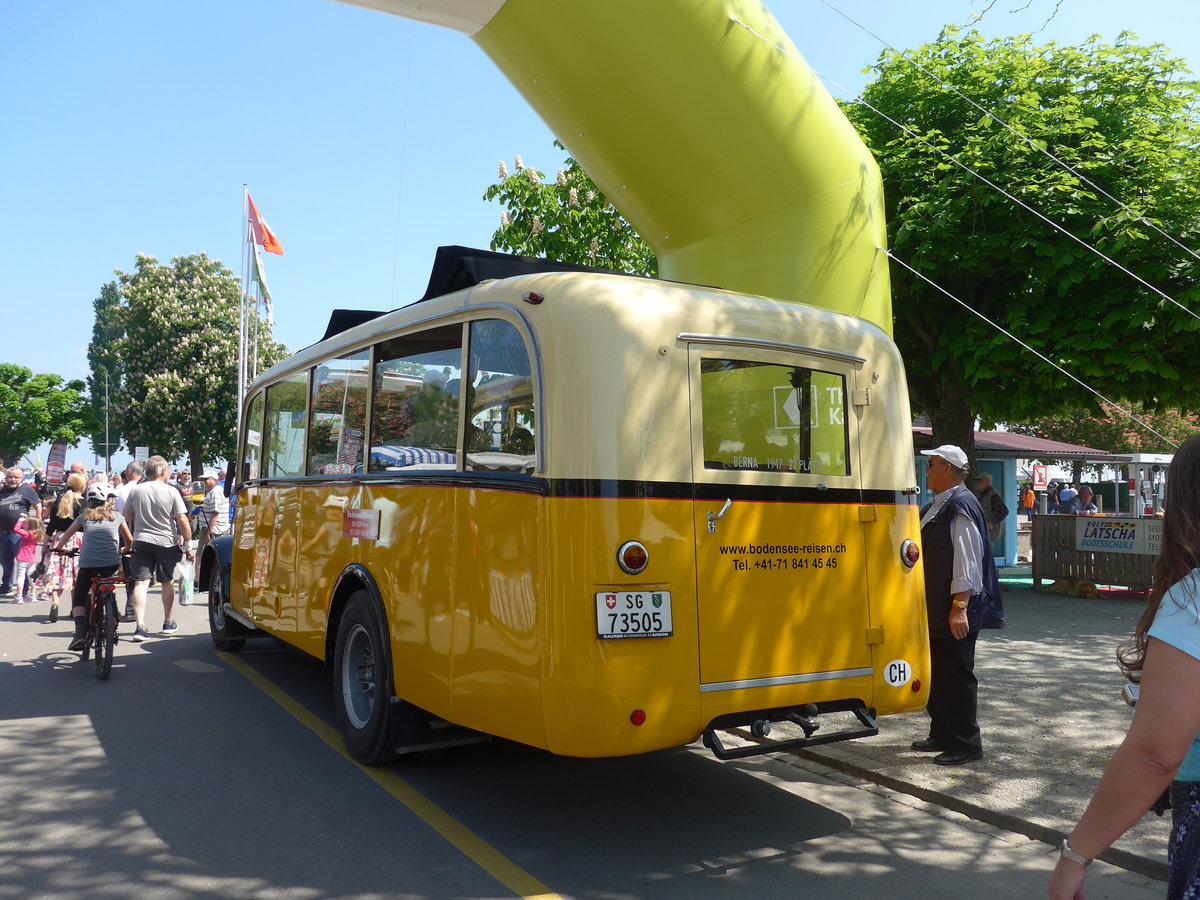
<point x="472" y="845"/>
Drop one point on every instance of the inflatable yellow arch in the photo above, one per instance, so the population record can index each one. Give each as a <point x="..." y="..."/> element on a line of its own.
<point x="701" y="122"/>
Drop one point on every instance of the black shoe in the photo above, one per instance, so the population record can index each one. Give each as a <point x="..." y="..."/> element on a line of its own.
<point x="77" y="642"/>
<point x="929" y="745"/>
<point x="127" y="617"/>
<point x="957" y="759"/>
<point x="54" y="613"/>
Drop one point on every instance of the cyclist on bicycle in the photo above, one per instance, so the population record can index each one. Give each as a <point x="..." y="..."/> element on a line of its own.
<point x="105" y="538"/>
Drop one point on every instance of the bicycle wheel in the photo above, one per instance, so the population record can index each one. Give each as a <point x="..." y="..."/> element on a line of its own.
<point x="106" y="633"/>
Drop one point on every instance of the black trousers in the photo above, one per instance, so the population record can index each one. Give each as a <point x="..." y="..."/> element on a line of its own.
<point x="953" y="694"/>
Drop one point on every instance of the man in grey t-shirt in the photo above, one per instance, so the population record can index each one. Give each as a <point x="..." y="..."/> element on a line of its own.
<point x="158" y="519"/>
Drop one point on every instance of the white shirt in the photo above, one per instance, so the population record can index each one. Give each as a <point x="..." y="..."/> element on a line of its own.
<point x="123" y="493"/>
<point x="967" y="571"/>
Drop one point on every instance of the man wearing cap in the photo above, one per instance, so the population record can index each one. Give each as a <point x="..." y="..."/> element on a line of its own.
<point x="962" y="595"/>
<point x="995" y="510"/>
<point x="215" y="510"/>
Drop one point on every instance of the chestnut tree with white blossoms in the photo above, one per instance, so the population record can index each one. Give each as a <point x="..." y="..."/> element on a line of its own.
<point x="568" y="219"/>
<point x="177" y="357"/>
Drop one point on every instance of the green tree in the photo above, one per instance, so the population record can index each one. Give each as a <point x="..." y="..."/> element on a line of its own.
<point x="39" y="409"/>
<point x="568" y="219"/>
<point x="105" y="365"/>
<point x="178" y="355"/>
<point x="1123" y="115"/>
<point x="1114" y="431"/>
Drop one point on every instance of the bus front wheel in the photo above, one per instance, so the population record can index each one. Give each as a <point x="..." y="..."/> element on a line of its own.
<point x="363" y="698"/>
<point x="219" y="625"/>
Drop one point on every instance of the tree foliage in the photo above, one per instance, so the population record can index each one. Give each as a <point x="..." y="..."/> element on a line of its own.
<point x="39" y="409"/>
<point x="1114" y="431"/>
<point x="1124" y="116"/>
<point x="568" y="219"/>
<point x="177" y="353"/>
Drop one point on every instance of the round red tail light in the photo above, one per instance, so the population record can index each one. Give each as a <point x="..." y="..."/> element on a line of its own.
<point x="632" y="557"/>
<point x="910" y="553"/>
<point x="637" y="717"/>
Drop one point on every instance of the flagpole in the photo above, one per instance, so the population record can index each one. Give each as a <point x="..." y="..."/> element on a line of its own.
<point x="242" y="324"/>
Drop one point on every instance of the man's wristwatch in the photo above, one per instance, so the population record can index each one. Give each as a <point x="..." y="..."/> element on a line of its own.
<point x="1066" y="852"/>
<point x="962" y="604"/>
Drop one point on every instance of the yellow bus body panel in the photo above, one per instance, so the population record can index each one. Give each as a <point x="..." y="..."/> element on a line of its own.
<point x="489" y="586"/>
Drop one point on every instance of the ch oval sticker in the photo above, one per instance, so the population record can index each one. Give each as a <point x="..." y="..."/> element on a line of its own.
<point x="897" y="673"/>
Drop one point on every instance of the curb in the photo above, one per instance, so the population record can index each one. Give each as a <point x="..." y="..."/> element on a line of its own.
<point x="1141" y="865"/>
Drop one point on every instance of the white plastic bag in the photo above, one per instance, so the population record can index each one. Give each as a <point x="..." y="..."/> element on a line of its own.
<point x="185" y="574"/>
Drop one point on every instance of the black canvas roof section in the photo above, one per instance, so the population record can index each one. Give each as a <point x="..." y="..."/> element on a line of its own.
<point x="455" y="268"/>
<point x="344" y="319"/>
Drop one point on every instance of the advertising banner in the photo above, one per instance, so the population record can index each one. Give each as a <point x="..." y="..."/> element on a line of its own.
<point x="1118" y="535"/>
<point x="56" y="465"/>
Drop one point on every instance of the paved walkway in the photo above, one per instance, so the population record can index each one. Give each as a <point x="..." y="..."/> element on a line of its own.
<point x="1051" y="713"/>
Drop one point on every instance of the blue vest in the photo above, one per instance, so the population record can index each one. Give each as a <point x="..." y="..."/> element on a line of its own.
<point x="937" y="552"/>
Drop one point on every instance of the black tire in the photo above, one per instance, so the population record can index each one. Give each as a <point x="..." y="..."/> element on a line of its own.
<point x="219" y="624"/>
<point x="362" y="686"/>
<point x="106" y="634"/>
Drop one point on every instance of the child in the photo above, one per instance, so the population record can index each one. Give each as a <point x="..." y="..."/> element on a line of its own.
<point x="105" y="537"/>
<point x="31" y="532"/>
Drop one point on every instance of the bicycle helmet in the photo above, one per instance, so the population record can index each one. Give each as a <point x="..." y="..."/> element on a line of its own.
<point x="98" y="494"/>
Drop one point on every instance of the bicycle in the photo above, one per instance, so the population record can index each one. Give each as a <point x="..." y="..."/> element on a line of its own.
<point x="101" y="634"/>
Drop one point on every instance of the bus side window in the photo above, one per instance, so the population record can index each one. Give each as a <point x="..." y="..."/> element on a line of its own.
<point x="252" y="451"/>
<point x="284" y="428"/>
<point x="501" y="415"/>
<point x="414" y="419"/>
<point x="338" y="417"/>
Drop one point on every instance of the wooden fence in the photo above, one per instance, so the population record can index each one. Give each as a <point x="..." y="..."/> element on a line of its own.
<point x="1055" y="555"/>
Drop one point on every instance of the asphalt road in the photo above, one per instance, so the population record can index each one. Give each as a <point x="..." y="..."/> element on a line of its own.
<point x="191" y="774"/>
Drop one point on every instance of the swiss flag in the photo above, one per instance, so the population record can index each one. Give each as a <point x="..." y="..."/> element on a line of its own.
<point x="263" y="235"/>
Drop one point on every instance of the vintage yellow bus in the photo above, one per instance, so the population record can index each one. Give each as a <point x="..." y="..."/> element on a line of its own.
<point x="592" y="513"/>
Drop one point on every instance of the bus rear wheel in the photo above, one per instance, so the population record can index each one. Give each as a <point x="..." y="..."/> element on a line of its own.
<point x="361" y="683"/>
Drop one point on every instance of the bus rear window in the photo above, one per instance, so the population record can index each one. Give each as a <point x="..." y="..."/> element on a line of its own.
<point x="766" y="417"/>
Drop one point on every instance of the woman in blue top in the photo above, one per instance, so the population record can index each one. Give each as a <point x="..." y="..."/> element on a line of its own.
<point x="1161" y="749"/>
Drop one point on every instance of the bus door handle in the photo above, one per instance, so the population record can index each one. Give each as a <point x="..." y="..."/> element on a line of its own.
<point x="712" y="516"/>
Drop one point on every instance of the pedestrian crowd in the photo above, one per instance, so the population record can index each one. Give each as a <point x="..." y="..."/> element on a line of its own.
<point x="1062" y="498"/>
<point x="55" y="539"/>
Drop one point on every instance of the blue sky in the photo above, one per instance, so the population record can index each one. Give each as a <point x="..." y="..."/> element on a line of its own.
<point x="366" y="140"/>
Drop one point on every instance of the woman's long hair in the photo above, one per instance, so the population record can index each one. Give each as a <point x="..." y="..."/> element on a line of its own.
<point x="65" y="508"/>
<point x="100" y="511"/>
<point x="1180" y="552"/>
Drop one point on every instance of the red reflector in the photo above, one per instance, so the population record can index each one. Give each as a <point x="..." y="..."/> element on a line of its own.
<point x="637" y="717"/>
<point x="910" y="552"/>
<point x="632" y="557"/>
<point x="532" y="297"/>
<point x="916" y="683"/>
